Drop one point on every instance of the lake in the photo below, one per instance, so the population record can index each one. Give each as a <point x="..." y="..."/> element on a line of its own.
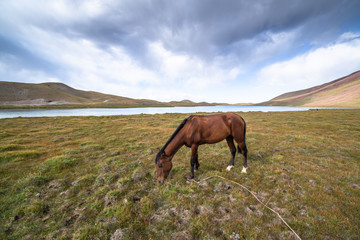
<point x="12" y="113"/>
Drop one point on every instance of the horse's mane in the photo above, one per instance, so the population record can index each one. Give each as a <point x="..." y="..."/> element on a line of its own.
<point x="171" y="138"/>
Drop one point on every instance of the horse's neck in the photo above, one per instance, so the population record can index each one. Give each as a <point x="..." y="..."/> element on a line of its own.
<point x="175" y="144"/>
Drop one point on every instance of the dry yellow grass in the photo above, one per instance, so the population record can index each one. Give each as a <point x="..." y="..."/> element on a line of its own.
<point x="94" y="177"/>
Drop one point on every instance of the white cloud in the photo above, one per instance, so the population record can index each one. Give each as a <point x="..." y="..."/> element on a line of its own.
<point x="45" y="12"/>
<point x="316" y="67"/>
<point x="190" y="70"/>
<point x="85" y="62"/>
<point x="82" y="64"/>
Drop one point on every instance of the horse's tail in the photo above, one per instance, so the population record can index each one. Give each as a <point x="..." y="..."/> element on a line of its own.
<point x="244" y="130"/>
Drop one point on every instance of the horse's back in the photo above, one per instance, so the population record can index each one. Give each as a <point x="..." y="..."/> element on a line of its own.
<point x="215" y="127"/>
<point x="227" y="118"/>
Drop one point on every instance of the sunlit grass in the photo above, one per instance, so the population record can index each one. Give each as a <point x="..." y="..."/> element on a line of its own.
<point x="89" y="177"/>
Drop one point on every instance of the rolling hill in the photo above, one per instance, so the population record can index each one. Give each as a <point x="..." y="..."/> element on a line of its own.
<point x="342" y="92"/>
<point x="14" y="94"/>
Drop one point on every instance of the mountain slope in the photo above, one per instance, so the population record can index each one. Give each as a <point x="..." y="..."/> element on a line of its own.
<point x="14" y="94"/>
<point x="25" y="94"/>
<point x="342" y="92"/>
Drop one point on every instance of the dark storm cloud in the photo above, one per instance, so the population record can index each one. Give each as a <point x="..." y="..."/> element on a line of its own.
<point x="208" y="28"/>
<point x="205" y="29"/>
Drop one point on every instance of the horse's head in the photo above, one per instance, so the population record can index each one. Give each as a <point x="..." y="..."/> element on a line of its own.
<point x="163" y="166"/>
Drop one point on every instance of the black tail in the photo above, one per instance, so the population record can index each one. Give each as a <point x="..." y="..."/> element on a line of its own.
<point x="244" y="131"/>
<point x="245" y="148"/>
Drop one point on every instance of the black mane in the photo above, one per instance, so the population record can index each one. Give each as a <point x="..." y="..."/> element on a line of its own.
<point x="171" y="138"/>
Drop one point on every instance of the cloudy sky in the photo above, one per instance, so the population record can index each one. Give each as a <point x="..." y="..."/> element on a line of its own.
<point x="207" y="50"/>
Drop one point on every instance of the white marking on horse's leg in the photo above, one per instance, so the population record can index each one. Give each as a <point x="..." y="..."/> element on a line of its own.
<point x="243" y="170"/>
<point x="229" y="168"/>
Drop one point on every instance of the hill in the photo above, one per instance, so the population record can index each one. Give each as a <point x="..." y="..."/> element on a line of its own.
<point x="342" y="92"/>
<point x="14" y="94"/>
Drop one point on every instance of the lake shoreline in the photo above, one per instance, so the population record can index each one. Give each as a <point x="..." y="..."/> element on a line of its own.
<point x="13" y="113"/>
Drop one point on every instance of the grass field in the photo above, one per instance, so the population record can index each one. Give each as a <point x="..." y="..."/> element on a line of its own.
<point x="94" y="178"/>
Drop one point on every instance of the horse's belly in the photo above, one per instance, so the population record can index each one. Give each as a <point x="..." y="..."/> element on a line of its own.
<point x="214" y="137"/>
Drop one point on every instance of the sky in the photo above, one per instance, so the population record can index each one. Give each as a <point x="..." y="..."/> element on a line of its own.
<point x="229" y="51"/>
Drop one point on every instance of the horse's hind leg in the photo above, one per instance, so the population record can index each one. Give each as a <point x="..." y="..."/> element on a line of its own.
<point x="243" y="149"/>
<point x="230" y="142"/>
<point x="239" y="137"/>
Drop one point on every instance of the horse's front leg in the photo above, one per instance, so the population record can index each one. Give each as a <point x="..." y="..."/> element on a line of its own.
<point x="193" y="159"/>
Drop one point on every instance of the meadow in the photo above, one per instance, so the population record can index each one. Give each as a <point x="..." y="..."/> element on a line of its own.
<point x="94" y="178"/>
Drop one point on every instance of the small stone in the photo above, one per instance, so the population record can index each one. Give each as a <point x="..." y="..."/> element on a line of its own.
<point x="64" y="193"/>
<point x="117" y="235"/>
<point x="136" y="198"/>
<point x="184" y="235"/>
<point x="54" y="184"/>
<point x="303" y="212"/>
<point x="259" y="213"/>
<point x="138" y="174"/>
<point x="108" y="201"/>
<point x="231" y="198"/>
<point x="223" y="210"/>
<point x="312" y="182"/>
<point x="203" y="185"/>
<point x="71" y="219"/>
<point x="45" y="218"/>
<point x="202" y="210"/>
<point x="173" y="212"/>
<point x="248" y="210"/>
<point x="252" y="207"/>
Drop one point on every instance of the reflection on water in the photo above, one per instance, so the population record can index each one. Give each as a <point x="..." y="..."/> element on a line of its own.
<point x="132" y="111"/>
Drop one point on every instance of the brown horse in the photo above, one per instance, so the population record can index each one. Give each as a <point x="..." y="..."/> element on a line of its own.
<point x="197" y="130"/>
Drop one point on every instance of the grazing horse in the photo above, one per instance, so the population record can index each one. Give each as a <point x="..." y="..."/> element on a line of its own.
<point x="197" y="130"/>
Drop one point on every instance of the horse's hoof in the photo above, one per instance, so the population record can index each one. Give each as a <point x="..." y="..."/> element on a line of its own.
<point x="189" y="180"/>
<point x="229" y="167"/>
<point x="243" y="170"/>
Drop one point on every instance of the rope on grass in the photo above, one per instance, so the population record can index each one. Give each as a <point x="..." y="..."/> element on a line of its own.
<point x="252" y="193"/>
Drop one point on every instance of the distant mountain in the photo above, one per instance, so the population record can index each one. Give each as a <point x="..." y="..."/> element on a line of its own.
<point x="53" y="94"/>
<point x="185" y="103"/>
<point x="342" y="92"/>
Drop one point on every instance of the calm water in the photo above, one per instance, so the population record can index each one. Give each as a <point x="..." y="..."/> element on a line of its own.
<point x="131" y="111"/>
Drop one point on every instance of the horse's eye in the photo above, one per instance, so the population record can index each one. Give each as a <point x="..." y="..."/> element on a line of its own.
<point x="160" y="165"/>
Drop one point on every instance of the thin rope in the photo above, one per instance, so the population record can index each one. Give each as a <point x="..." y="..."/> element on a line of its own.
<point x="252" y="193"/>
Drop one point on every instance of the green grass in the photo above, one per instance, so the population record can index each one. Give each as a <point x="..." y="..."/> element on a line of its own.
<point x="89" y="177"/>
